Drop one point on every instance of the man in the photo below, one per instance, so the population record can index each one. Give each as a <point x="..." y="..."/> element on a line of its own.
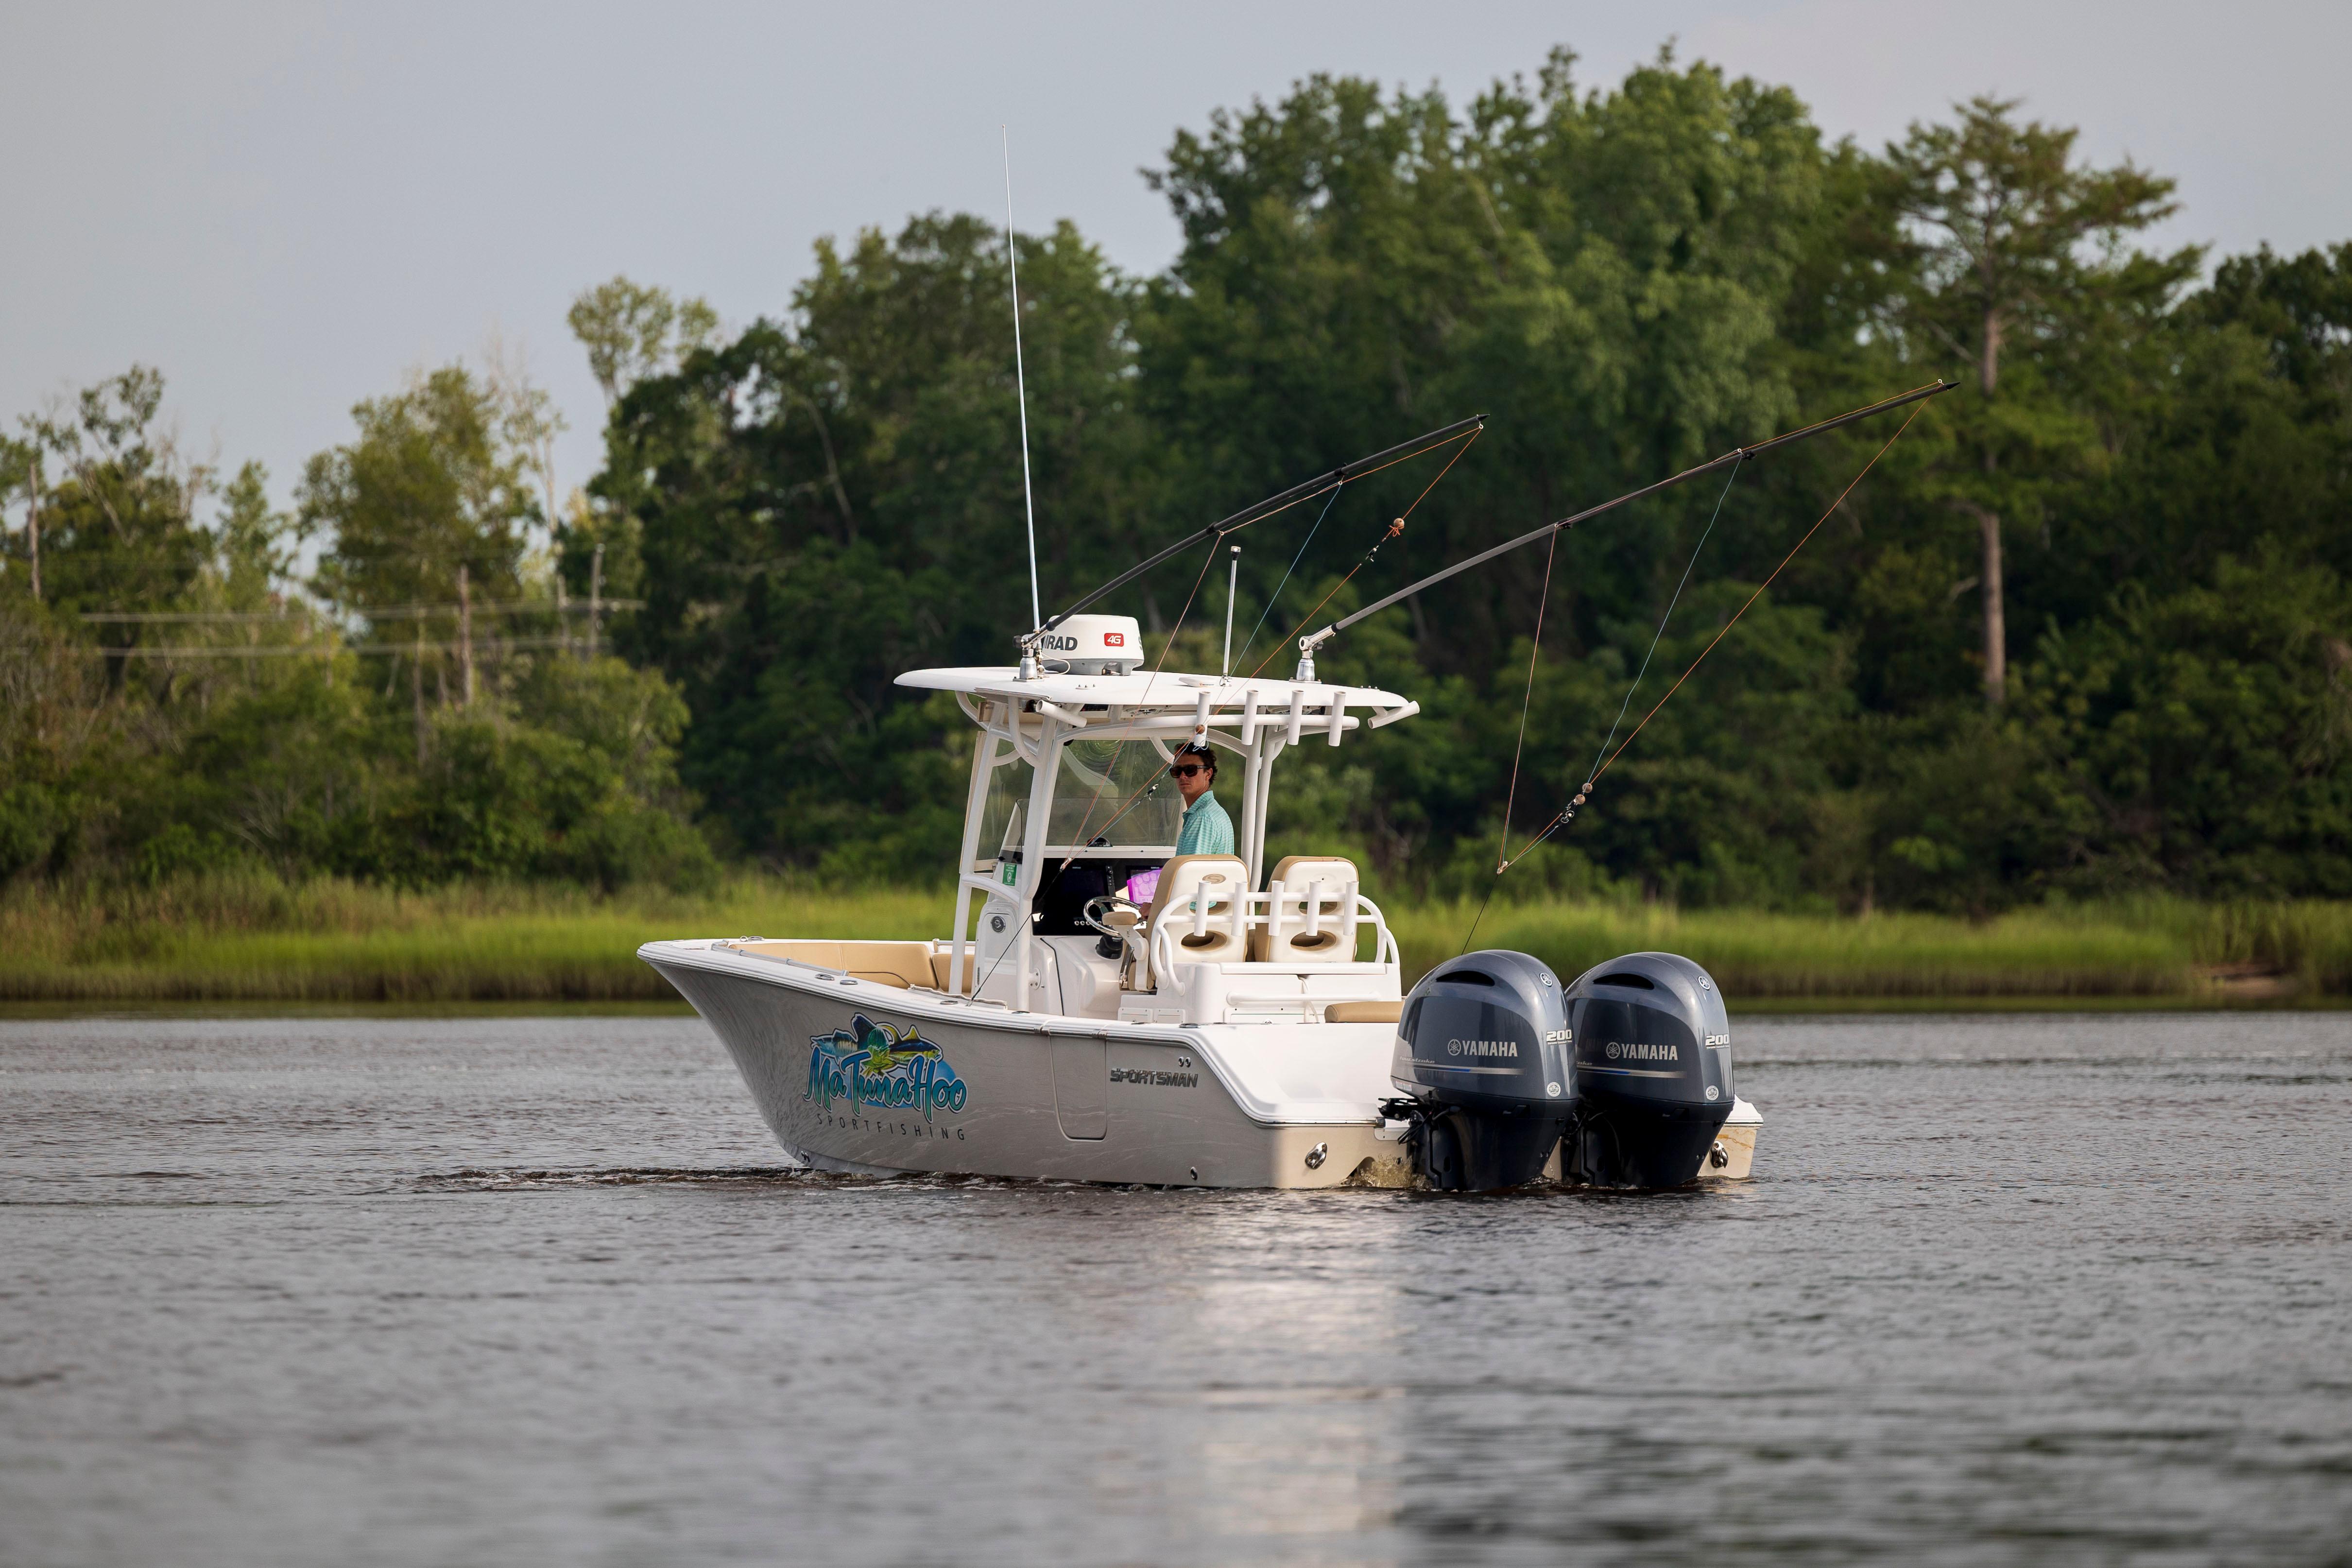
<point x="1207" y="829"/>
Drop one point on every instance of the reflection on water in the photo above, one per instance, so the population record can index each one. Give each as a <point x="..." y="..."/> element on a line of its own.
<point x="2037" y="1289"/>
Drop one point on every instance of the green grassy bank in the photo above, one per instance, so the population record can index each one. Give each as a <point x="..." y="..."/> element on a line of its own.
<point x="255" y="940"/>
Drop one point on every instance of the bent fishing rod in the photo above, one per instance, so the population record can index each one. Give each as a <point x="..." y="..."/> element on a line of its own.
<point x="1259" y="510"/>
<point x="1308" y="644"/>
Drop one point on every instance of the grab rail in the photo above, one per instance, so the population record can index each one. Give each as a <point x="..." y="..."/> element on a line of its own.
<point x="1266" y="910"/>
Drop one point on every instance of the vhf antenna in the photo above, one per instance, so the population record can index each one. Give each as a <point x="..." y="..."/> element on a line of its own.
<point x="1021" y="390"/>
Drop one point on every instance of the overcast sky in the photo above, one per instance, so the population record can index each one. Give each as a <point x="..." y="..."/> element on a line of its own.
<point x="284" y="209"/>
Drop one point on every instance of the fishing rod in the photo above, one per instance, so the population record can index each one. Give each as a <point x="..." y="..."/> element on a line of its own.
<point x="1308" y="644"/>
<point x="1259" y="510"/>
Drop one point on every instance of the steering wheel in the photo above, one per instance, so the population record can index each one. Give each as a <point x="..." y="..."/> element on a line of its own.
<point x="1105" y="903"/>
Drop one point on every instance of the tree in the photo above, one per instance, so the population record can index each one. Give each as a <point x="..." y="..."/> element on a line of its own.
<point x="2208" y="730"/>
<point x="2016" y="251"/>
<point x="1600" y="271"/>
<point x="528" y="420"/>
<point x="427" y="512"/>
<point x="115" y="529"/>
<point x="834" y="498"/>
<point x="632" y="332"/>
<point x="253" y="543"/>
<point x="20" y="474"/>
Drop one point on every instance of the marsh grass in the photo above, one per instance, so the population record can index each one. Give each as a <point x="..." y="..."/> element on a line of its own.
<point x="1756" y="954"/>
<point x="255" y="939"/>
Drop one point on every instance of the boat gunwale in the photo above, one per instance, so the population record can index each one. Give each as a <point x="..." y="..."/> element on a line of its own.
<point x="700" y="953"/>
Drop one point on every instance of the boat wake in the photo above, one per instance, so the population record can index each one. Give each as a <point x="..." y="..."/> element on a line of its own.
<point x="473" y="1180"/>
<point x="782" y="1178"/>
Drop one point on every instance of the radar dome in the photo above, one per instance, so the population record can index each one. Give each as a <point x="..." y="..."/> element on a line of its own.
<point x="1093" y="645"/>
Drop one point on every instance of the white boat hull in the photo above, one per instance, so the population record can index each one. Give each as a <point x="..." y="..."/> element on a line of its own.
<point x="979" y="1089"/>
<point x="974" y="1089"/>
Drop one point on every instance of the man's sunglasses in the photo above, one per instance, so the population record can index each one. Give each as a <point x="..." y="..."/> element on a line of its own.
<point x="1185" y="770"/>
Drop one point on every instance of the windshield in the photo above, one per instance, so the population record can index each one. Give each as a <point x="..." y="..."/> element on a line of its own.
<point x="1116" y="791"/>
<point x="1005" y="814"/>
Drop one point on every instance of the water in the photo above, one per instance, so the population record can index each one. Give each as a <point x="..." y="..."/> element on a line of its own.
<point x="2067" y="1288"/>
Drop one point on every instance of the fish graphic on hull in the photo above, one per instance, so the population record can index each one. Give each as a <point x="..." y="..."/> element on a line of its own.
<point x="872" y="1064"/>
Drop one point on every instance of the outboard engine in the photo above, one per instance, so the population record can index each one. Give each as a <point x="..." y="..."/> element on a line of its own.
<point x="1652" y="1072"/>
<point x="1627" y="1072"/>
<point x="1483" y="1049"/>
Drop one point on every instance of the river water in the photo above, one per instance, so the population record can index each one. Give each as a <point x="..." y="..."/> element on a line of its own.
<point x="2018" y="1289"/>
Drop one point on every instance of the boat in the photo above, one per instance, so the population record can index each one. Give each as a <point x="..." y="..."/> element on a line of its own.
<point x="1102" y="1010"/>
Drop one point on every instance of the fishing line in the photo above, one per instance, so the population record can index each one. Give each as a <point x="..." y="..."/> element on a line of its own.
<point x="1568" y="812"/>
<point x="1758" y="593"/>
<point x="1248" y="516"/>
<point x="1394" y="529"/>
<point x="1165" y="647"/>
<point x="1109" y="769"/>
<point x="1503" y="857"/>
<point x="1593" y="773"/>
<point x="1295" y="559"/>
<point x="1480" y="915"/>
<point x="1503" y="847"/>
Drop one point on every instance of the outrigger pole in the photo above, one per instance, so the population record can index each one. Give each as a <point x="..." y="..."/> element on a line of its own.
<point x="1270" y="505"/>
<point x="1313" y="640"/>
<point x="1020" y="375"/>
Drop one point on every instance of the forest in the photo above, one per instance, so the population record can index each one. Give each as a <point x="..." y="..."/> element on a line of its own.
<point x="2081" y="633"/>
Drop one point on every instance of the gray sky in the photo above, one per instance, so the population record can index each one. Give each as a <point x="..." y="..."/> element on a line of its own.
<point x="284" y="208"/>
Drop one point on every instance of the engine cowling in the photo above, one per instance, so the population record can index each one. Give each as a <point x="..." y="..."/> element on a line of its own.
<point x="1626" y="1072"/>
<point x="1484" y="1052"/>
<point x="1653" y="1071"/>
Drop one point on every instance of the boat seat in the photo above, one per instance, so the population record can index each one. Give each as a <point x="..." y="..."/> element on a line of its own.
<point x="1218" y="878"/>
<point x="943" y="963"/>
<point x="1387" y="1012"/>
<point x="903" y="965"/>
<point x="1285" y="939"/>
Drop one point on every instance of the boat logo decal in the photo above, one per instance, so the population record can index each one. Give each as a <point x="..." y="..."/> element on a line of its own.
<point x="1482" y="1048"/>
<point x="1158" y="1077"/>
<point x="1642" y="1050"/>
<point x="871" y="1064"/>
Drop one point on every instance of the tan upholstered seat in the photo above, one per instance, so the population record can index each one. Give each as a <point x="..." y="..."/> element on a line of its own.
<point x="1180" y="881"/>
<point x="1285" y="939"/>
<point x="1387" y="1012"/>
<point x="943" y="963"/>
<point x="903" y="965"/>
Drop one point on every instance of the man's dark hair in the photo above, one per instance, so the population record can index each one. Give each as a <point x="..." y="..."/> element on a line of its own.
<point x="1195" y="748"/>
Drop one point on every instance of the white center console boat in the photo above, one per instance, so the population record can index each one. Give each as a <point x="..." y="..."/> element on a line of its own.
<point x="1105" y="1011"/>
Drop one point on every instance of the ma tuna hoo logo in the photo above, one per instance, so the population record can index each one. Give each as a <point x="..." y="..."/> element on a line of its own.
<point x="871" y="1064"/>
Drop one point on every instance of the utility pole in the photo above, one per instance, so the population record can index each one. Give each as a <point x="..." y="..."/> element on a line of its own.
<point x="33" y="522"/>
<point x="416" y="690"/>
<point x="596" y="596"/>
<point x="1996" y="621"/>
<point x="465" y="633"/>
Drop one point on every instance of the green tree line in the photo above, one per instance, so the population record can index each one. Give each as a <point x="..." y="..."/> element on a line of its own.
<point x="2082" y="630"/>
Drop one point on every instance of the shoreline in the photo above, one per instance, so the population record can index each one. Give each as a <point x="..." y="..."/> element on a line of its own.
<point x="239" y="946"/>
<point x="1765" y="1007"/>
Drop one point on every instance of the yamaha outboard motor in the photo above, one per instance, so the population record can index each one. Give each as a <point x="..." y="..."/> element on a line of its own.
<point x="1627" y="1073"/>
<point x="1483" y="1049"/>
<point x="1652" y="1072"/>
